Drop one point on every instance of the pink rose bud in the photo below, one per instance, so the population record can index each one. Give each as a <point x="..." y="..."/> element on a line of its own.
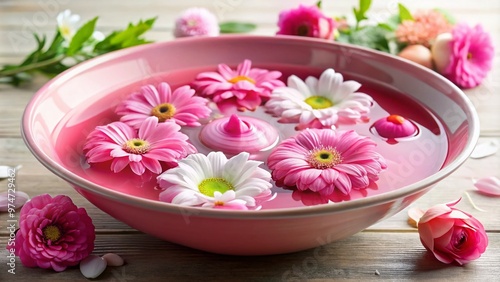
<point x="451" y="234"/>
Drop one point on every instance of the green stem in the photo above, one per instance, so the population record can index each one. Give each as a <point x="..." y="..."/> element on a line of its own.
<point x="33" y="66"/>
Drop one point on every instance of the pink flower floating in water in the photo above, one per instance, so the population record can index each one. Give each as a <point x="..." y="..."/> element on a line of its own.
<point x="471" y="56"/>
<point x="196" y="22"/>
<point x="53" y="233"/>
<point x="140" y="149"/>
<point x="306" y="21"/>
<point x="243" y="88"/>
<point x="213" y="181"/>
<point x="394" y="126"/>
<point x="319" y="103"/>
<point x="325" y="161"/>
<point x="179" y="106"/>
<point x="451" y="234"/>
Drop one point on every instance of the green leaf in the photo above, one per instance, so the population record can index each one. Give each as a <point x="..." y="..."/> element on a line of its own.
<point x="373" y="37"/>
<point x="236" y="27"/>
<point x="360" y="14"/>
<point x="125" y="38"/>
<point x="318" y="4"/>
<point x="82" y="35"/>
<point x="404" y="14"/>
<point x="449" y="17"/>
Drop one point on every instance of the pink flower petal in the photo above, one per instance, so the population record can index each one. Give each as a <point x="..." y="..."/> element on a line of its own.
<point x="488" y="185"/>
<point x="414" y="215"/>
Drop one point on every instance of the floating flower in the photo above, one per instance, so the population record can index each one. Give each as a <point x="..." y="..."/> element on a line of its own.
<point x="488" y="185"/>
<point x="423" y="29"/>
<point x="243" y="88"/>
<point x="306" y="21"/>
<point x="214" y="181"/>
<point x="451" y="234"/>
<point x="319" y="103"/>
<point x="67" y="24"/>
<point x="180" y="106"/>
<point x="196" y="22"/>
<point x="53" y="233"/>
<point x="143" y="149"/>
<point x="471" y="55"/>
<point x="394" y="126"/>
<point x="326" y="160"/>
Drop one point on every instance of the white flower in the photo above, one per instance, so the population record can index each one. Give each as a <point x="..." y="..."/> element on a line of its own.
<point x="319" y="103"/>
<point x="67" y="24"/>
<point x="213" y="180"/>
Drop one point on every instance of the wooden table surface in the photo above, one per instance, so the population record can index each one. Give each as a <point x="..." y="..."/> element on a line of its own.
<point x="389" y="250"/>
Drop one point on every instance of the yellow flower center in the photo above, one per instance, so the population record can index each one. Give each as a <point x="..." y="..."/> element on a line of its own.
<point x="51" y="233"/>
<point x="469" y="56"/>
<point x="209" y="185"/>
<point x="136" y="146"/>
<point x="241" y="78"/>
<point x="163" y="111"/>
<point x="396" y="119"/>
<point x="324" y="158"/>
<point x="65" y="30"/>
<point x="318" y="102"/>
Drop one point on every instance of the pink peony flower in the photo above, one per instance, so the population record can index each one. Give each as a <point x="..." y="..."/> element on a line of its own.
<point x="53" y="233"/>
<point x="181" y="106"/>
<point x="423" y="29"/>
<point x="394" y="126"/>
<point x="196" y="22"/>
<point x="143" y="149"/>
<point x="471" y="57"/>
<point x="325" y="160"/>
<point x="306" y="21"/>
<point x="451" y="234"/>
<point x="243" y="88"/>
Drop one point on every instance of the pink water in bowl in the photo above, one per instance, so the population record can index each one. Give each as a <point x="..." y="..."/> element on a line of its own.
<point x="409" y="160"/>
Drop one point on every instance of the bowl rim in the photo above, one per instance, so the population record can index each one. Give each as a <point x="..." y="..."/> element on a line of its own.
<point x="157" y="205"/>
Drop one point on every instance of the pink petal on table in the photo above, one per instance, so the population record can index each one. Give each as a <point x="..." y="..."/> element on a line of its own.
<point x="488" y="185"/>
<point x="92" y="266"/>
<point x="414" y="215"/>
<point x="12" y="200"/>
<point x="113" y="259"/>
<point x="485" y="149"/>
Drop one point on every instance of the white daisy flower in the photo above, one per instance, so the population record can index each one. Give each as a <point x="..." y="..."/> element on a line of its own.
<point x="319" y="103"/>
<point x="68" y="24"/>
<point x="215" y="181"/>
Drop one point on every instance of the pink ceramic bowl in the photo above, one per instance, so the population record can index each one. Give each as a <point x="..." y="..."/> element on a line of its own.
<point x="69" y="98"/>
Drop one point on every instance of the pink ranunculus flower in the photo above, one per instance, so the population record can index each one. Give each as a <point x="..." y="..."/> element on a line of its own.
<point x="451" y="234"/>
<point x="53" y="233"/>
<point x="242" y="89"/>
<point x="471" y="56"/>
<point x="196" y="22"/>
<point x="306" y="21"/>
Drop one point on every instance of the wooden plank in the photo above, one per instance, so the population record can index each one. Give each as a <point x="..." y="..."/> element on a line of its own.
<point x="394" y="256"/>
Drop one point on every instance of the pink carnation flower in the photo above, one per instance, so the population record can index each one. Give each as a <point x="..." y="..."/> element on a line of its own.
<point x="423" y="29"/>
<point x="306" y="21"/>
<point x="196" y="22"/>
<point x="181" y="106"/>
<point x="143" y="149"/>
<point x="451" y="234"/>
<point x="53" y="233"/>
<point x="325" y="160"/>
<point x="471" y="57"/>
<point x="243" y="88"/>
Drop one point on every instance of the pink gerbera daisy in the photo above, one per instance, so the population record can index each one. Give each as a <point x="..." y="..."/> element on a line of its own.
<point x="243" y="88"/>
<point x="323" y="160"/>
<point x="140" y="149"/>
<point x="180" y="106"/>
